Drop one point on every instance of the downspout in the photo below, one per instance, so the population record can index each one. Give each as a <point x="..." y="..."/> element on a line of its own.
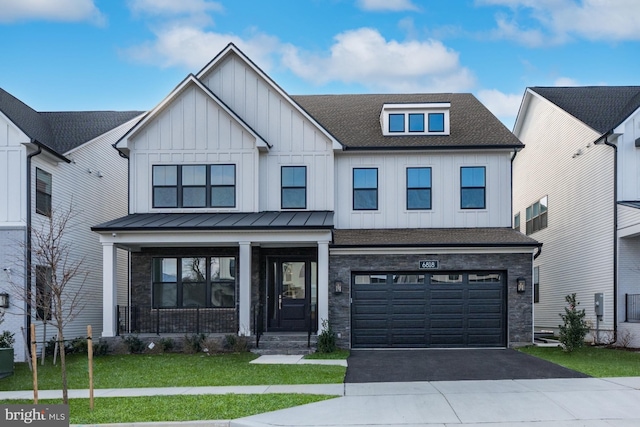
<point x="615" y="235"/>
<point x="28" y="260"/>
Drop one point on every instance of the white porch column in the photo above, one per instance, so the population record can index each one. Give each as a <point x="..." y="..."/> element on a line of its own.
<point x="323" y="283"/>
<point x="244" y="299"/>
<point x="109" y="289"/>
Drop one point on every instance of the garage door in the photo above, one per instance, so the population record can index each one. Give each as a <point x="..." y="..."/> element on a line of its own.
<point x="452" y="309"/>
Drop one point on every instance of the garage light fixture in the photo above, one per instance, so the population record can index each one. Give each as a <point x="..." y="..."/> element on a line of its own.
<point x="337" y="287"/>
<point x="521" y="284"/>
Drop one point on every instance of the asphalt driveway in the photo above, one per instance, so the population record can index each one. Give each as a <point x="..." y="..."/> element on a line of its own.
<point x="368" y="366"/>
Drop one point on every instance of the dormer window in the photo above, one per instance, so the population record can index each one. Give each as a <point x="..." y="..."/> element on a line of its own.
<point x="415" y="119"/>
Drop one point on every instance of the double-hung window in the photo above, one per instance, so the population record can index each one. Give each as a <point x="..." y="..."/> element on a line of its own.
<point x="43" y="192"/>
<point x="418" y="188"/>
<point x="365" y="189"/>
<point x="294" y="187"/>
<point x="472" y="187"/>
<point x="537" y="216"/>
<point x="203" y="281"/>
<point x="194" y="186"/>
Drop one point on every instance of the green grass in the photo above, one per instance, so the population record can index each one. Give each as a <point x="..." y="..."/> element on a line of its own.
<point x="171" y="370"/>
<point x="594" y="361"/>
<point x="179" y="408"/>
<point x="339" y="354"/>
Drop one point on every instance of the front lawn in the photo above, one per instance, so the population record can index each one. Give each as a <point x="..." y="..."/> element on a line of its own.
<point x="178" y="408"/>
<point x="171" y="370"/>
<point x="594" y="361"/>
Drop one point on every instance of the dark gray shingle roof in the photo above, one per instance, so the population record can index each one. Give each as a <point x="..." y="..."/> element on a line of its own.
<point x="61" y="131"/>
<point x="354" y="120"/>
<point x="600" y="107"/>
<point x="220" y="221"/>
<point x="434" y="237"/>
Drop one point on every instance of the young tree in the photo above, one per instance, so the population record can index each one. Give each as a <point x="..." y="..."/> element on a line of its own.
<point x="575" y="328"/>
<point x="58" y="291"/>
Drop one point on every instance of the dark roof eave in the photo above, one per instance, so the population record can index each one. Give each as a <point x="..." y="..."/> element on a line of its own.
<point x="435" y="147"/>
<point x="51" y="151"/>
<point x="240" y="228"/>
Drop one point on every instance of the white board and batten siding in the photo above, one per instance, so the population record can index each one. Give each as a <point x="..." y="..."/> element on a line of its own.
<point x="12" y="174"/>
<point x="577" y="251"/>
<point x="94" y="186"/>
<point x="392" y="209"/>
<point x="629" y="158"/>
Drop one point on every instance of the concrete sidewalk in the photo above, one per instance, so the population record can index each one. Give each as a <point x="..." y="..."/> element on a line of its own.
<point x="592" y="402"/>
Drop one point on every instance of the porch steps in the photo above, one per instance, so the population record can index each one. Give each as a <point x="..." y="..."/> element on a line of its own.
<point x="285" y="343"/>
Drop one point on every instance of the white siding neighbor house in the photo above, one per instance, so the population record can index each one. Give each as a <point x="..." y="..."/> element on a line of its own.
<point x="255" y="212"/>
<point x="576" y="189"/>
<point x="56" y="161"/>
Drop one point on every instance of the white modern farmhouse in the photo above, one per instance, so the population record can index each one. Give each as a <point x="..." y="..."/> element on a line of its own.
<point x="254" y="212"/>
<point x="576" y="189"/>
<point x="55" y="161"/>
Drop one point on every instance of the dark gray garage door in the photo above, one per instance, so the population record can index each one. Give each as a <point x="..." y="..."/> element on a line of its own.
<point x="453" y="309"/>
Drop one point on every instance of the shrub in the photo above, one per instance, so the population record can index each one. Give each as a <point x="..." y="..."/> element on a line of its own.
<point x="326" y="339"/>
<point x="235" y="343"/>
<point x="7" y="339"/>
<point x="134" y="344"/>
<point x="77" y="346"/>
<point x="194" y="343"/>
<point x="166" y="344"/>
<point x="575" y="327"/>
<point x="100" y="348"/>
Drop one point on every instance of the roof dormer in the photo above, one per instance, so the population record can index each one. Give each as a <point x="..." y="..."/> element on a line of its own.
<point x="415" y="119"/>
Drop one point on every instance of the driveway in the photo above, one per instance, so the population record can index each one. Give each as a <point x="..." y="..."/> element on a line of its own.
<point x="369" y="366"/>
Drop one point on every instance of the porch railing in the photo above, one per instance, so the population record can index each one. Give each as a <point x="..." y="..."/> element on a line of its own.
<point x="258" y="322"/>
<point x="312" y="325"/>
<point x="146" y="319"/>
<point x="632" y="303"/>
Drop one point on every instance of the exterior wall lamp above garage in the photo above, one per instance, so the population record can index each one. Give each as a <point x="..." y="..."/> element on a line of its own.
<point x="521" y="284"/>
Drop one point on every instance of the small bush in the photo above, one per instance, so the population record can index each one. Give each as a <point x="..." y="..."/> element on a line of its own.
<point x="77" y="346"/>
<point x="166" y="344"/>
<point x="7" y="339"/>
<point x="100" y="348"/>
<point x="134" y="344"/>
<point x="326" y="338"/>
<point x="235" y="343"/>
<point x="194" y="343"/>
<point x="575" y="328"/>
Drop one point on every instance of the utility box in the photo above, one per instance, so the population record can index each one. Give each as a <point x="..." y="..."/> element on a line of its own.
<point x="598" y="304"/>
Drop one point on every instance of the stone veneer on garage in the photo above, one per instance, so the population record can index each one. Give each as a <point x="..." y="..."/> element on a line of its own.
<point x="519" y="305"/>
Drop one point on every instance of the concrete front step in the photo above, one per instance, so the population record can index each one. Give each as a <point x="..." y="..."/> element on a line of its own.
<point x="286" y="343"/>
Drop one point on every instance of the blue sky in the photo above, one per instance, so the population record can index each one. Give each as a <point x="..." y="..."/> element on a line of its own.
<point x="69" y="55"/>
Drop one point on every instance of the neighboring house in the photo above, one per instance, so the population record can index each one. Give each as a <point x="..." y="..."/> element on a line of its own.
<point x="55" y="160"/>
<point x="251" y="210"/>
<point x="576" y="189"/>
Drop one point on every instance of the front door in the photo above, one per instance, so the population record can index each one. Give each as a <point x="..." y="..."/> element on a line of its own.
<point x="292" y="293"/>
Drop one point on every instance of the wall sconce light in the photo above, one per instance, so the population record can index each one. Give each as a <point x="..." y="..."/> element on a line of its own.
<point x="521" y="284"/>
<point x="337" y="287"/>
<point x="4" y="300"/>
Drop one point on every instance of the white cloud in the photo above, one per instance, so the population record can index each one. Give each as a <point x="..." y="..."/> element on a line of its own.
<point x="386" y="5"/>
<point x="560" y="20"/>
<point x="364" y="57"/>
<point x="192" y="47"/>
<point x="505" y="106"/>
<point x="48" y="10"/>
<point x="565" y="81"/>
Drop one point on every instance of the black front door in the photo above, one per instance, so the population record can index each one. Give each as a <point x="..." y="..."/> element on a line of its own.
<point x="291" y="292"/>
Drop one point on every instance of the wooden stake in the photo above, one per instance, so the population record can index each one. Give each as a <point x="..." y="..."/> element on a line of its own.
<point x="90" y="352"/>
<point x="34" y="363"/>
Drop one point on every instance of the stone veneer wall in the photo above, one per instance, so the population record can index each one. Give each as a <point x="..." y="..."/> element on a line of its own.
<point x="519" y="306"/>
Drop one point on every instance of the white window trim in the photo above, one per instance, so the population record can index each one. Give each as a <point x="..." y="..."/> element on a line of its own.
<point x="406" y="109"/>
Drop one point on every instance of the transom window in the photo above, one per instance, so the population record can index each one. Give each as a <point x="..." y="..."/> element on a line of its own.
<point x="294" y="187"/>
<point x="411" y="119"/>
<point x="537" y="216"/>
<point x="43" y="192"/>
<point x="365" y="189"/>
<point x="194" y="282"/>
<point x="472" y="187"/>
<point x="418" y="188"/>
<point x="194" y="186"/>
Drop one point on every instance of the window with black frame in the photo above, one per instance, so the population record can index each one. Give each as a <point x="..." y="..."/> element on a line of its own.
<point x="472" y="187"/>
<point x="183" y="282"/>
<point x="365" y="189"/>
<point x="418" y="188"/>
<point x="43" y="192"/>
<point x="194" y="186"/>
<point x="293" y="187"/>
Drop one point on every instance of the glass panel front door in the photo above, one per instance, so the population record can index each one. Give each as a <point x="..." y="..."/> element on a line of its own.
<point x="290" y="294"/>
